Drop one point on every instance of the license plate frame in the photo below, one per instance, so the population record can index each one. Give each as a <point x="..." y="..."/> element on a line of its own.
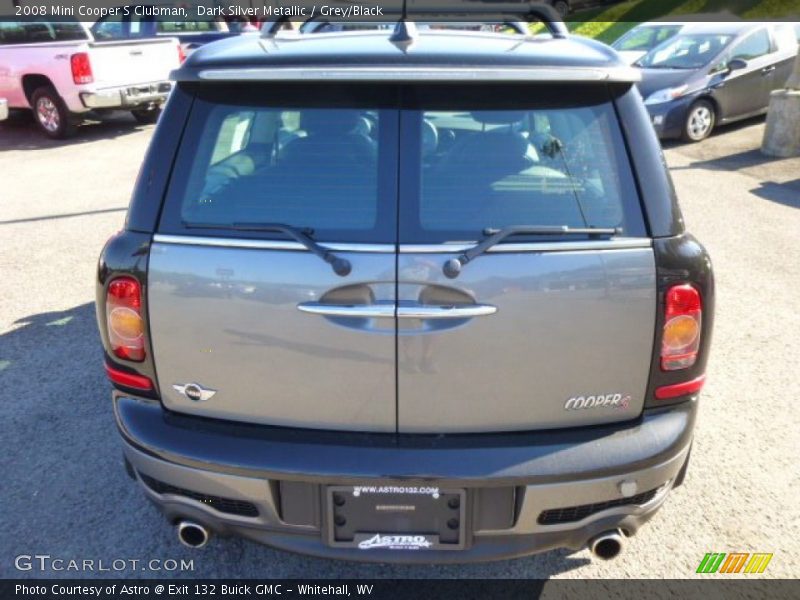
<point x="395" y="517"/>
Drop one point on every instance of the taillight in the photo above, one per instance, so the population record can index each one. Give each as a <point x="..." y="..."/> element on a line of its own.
<point x="680" y="340"/>
<point x="676" y="390"/>
<point x="131" y="380"/>
<point x="124" y="318"/>
<point x="181" y="54"/>
<point x="81" y="68"/>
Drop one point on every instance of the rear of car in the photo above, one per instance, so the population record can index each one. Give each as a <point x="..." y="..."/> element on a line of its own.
<point x="59" y="70"/>
<point x="359" y="318"/>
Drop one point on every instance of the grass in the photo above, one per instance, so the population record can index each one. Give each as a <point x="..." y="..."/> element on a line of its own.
<point x="607" y="23"/>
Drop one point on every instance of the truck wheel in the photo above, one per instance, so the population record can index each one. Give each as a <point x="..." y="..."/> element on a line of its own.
<point x="699" y="121"/>
<point x="51" y="114"/>
<point x="146" y="116"/>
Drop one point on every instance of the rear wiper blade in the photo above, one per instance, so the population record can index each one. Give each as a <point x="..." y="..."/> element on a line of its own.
<point x="341" y="266"/>
<point x="453" y="266"/>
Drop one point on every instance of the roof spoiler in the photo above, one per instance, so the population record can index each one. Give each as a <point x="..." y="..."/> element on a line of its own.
<point x="507" y="13"/>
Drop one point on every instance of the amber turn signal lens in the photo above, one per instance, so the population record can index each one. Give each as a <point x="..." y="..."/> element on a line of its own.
<point x="680" y="332"/>
<point x="126" y="323"/>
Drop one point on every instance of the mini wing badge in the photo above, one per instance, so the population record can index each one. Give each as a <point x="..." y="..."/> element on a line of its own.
<point x="194" y="391"/>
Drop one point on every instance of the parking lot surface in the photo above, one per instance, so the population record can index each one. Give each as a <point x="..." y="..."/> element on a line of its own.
<point x="65" y="492"/>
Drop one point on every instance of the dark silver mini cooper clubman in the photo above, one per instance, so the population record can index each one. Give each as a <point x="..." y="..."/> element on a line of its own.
<point x="411" y="294"/>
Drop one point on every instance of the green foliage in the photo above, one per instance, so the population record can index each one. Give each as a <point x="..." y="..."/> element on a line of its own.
<point x="607" y="23"/>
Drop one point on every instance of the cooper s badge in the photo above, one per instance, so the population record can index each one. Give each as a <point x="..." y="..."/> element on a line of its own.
<point x="617" y="401"/>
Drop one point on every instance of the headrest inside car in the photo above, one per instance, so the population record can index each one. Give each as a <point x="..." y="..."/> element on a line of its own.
<point x="330" y="123"/>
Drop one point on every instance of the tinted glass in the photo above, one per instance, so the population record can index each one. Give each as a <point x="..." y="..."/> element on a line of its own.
<point x="753" y="46"/>
<point x="313" y="168"/>
<point x="34" y="32"/>
<point x="685" y="52"/>
<point x="495" y="168"/>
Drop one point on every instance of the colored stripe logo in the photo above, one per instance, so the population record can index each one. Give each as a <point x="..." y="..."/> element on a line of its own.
<point x="734" y="562"/>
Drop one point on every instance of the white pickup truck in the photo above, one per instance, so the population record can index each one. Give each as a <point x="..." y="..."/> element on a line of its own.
<point x="61" y="72"/>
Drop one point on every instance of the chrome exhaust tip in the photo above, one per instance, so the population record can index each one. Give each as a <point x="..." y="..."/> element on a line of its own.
<point x="193" y="535"/>
<point x="607" y="545"/>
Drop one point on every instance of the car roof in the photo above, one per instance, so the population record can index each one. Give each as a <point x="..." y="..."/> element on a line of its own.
<point x="432" y="55"/>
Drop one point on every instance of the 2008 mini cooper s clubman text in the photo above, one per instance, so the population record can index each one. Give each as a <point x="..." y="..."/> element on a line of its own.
<point x="422" y="296"/>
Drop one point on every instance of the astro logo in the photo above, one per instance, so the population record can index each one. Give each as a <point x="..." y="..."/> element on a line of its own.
<point x="735" y="562"/>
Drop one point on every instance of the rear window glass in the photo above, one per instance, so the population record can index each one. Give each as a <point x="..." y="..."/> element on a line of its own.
<point x="494" y="168"/>
<point x="313" y="168"/>
<point x="33" y="32"/>
<point x="406" y="165"/>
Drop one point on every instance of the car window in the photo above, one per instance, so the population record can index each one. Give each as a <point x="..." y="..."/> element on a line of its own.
<point x="313" y="168"/>
<point x="495" y="168"/>
<point x="180" y="27"/>
<point x="109" y="28"/>
<point x="33" y="32"/>
<point x="754" y="46"/>
<point x="685" y="51"/>
<point x="645" y="38"/>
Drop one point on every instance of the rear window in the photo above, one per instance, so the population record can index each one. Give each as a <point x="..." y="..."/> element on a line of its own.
<point x="328" y="170"/>
<point x="36" y="32"/>
<point x="415" y="166"/>
<point x="488" y="169"/>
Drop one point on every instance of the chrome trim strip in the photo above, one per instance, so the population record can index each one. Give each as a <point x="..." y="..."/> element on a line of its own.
<point x="190" y="240"/>
<point x="392" y="73"/>
<point x="445" y="312"/>
<point x="384" y="311"/>
<point x="615" y="244"/>
<point x="369" y="311"/>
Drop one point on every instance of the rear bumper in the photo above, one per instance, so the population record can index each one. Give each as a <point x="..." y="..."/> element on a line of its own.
<point x="127" y="96"/>
<point x="544" y="471"/>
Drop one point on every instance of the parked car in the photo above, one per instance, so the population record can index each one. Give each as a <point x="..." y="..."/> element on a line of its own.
<point x="138" y="24"/>
<point x="714" y="73"/>
<point x="61" y="72"/>
<point x="420" y="305"/>
<point x="3" y="109"/>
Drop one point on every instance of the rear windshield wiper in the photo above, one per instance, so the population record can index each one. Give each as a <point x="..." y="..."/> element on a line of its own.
<point x="453" y="266"/>
<point x="341" y="266"/>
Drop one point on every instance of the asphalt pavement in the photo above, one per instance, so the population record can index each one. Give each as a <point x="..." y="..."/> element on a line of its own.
<point x="65" y="493"/>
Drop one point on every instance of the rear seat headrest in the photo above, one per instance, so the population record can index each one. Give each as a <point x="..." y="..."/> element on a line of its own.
<point x="331" y="123"/>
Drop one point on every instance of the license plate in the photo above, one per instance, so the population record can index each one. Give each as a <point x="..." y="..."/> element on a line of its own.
<point x="395" y="517"/>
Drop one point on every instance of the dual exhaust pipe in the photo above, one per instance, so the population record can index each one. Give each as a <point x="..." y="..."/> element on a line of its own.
<point x="605" y="546"/>
<point x="193" y="535"/>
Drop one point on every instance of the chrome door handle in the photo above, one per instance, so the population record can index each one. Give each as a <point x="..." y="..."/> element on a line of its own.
<point x="767" y="70"/>
<point x="389" y="311"/>
<point x="464" y="311"/>
<point x="364" y="311"/>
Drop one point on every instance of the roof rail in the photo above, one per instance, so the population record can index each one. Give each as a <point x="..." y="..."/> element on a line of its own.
<point x="509" y="14"/>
